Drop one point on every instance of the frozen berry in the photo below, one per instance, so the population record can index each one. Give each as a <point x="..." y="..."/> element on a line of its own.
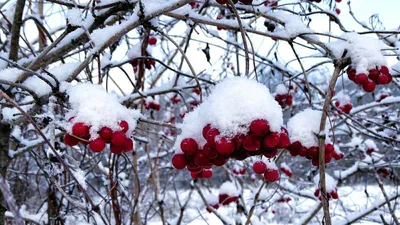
<point x="211" y="134"/>
<point x="251" y="143"/>
<point x="361" y="79"/>
<point x="179" y="161"/>
<point x="384" y="70"/>
<point x="259" y="167"/>
<point x="259" y="127"/>
<point x="97" y="145"/>
<point x="152" y="40"/>
<point x="313" y="152"/>
<point x="200" y="159"/>
<point x="70" y="140"/>
<point x="369" y="86"/>
<point x="118" y="139"/>
<point x="351" y="73"/>
<point x="206" y="129"/>
<point x="189" y="146"/>
<point x="116" y="149"/>
<point x="128" y="145"/>
<point x="124" y="125"/>
<point x="303" y="152"/>
<point x="383" y="79"/>
<point x="225" y="146"/>
<point x="271" y="140"/>
<point x="271" y="175"/>
<point x="209" y="151"/>
<point x="206" y="174"/>
<point x="80" y="130"/>
<point x="106" y="134"/>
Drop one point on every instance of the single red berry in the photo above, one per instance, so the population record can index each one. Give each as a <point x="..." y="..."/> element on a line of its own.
<point x="390" y="78"/>
<point x="225" y="146"/>
<point x="338" y="1"/>
<point x="259" y="127"/>
<point x="119" y="139"/>
<point x="373" y="74"/>
<point x="271" y="140"/>
<point x="313" y="152"/>
<point x="259" y="167"/>
<point x="179" y="161"/>
<point x="328" y="158"/>
<point x="317" y="192"/>
<point x="152" y="40"/>
<point x="361" y="79"/>
<point x="251" y="143"/>
<point x="337" y="10"/>
<point x="206" y="174"/>
<point x="206" y="129"/>
<point x="97" y="145"/>
<point x="383" y="79"/>
<point x="222" y="198"/>
<point x="195" y="175"/>
<point x="337" y="103"/>
<point x="209" y="151"/>
<point x="303" y="152"/>
<point x="219" y="161"/>
<point x="271" y="175"/>
<point x="80" y="130"/>
<point x="200" y="159"/>
<point x="192" y="167"/>
<point x="70" y="140"/>
<point x="128" y="145"/>
<point x="284" y="141"/>
<point x="124" y="125"/>
<point x="347" y="108"/>
<point x="329" y="149"/>
<point x="369" y="86"/>
<point x="106" y="134"/>
<point x="189" y="146"/>
<point x="116" y="149"/>
<point x="211" y="134"/>
<point x="351" y="73"/>
<point x="334" y="194"/>
<point x="315" y="162"/>
<point x="384" y="70"/>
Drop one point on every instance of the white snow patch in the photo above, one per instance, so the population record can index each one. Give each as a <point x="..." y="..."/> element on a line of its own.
<point x="230" y="189"/>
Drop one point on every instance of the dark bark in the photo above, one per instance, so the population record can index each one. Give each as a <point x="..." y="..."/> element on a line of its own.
<point x="15" y="30"/>
<point x="5" y="130"/>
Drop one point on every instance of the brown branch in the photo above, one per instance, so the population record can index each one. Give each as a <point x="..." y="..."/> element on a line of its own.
<point x="15" y="30"/>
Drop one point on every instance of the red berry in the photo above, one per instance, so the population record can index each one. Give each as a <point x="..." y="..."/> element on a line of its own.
<point x="337" y="10"/>
<point x="219" y="161"/>
<point x="69" y="140"/>
<point x="118" y="139"/>
<point x="328" y="158"/>
<point x="315" y="162"/>
<point x="361" y="79"/>
<point x="259" y="167"/>
<point x="211" y="134"/>
<point x="179" y="161"/>
<point x="271" y="175"/>
<point x="289" y="100"/>
<point x="390" y="78"/>
<point x="128" y="145"/>
<point x="239" y="139"/>
<point x="271" y="153"/>
<point x="347" y="108"/>
<point x="259" y="127"/>
<point x="152" y="40"/>
<point x="206" y="174"/>
<point x="116" y="149"/>
<point x="80" y="130"/>
<point x="200" y="159"/>
<point x="225" y="146"/>
<point x="192" y="167"/>
<point x="206" y="129"/>
<point x="189" y="146"/>
<point x="271" y="140"/>
<point x="369" y="86"/>
<point x="373" y="74"/>
<point x="337" y="103"/>
<point x="351" y="73"/>
<point x="106" y="134"/>
<point x="384" y="70"/>
<point x="313" y="152"/>
<point x="287" y="172"/>
<point x="338" y="1"/>
<point x="383" y="79"/>
<point x="124" y="125"/>
<point x="334" y="194"/>
<point x="303" y="152"/>
<point x="251" y="143"/>
<point x="317" y="192"/>
<point x="195" y="175"/>
<point x="97" y="145"/>
<point x="222" y="198"/>
<point x="284" y="141"/>
<point x="209" y="151"/>
<point x="329" y="149"/>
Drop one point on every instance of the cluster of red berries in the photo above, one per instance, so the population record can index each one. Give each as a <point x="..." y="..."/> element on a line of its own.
<point x="369" y="151"/>
<point x="374" y="77"/>
<point x="270" y="174"/>
<point x="311" y="153"/>
<point x="283" y="199"/>
<point x="384" y="172"/>
<point x="118" y="140"/>
<point x="194" y="5"/>
<point x="216" y="152"/>
<point x="225" y="199"/>
<point x="284" y="100"/>
<point x="219" y="17"/>
<point x="241" y="171"/>
<point x="333" y="194"/>
<point x="345" y="108"/>
<point x="151" y="105"/>
<point x="148" y="63"/>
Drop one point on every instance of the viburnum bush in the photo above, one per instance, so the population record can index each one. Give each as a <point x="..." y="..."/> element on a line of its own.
<point x="199" y="112"/>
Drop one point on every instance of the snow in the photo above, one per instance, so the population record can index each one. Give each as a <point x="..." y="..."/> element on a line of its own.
<point x="63" y="71"/>
<point x="10" y="74"/>
<point x="13" y="113"/>
<point x="293" y="27"/>
<point x="304" y="126"/>
<point x="211" y="199"/>
<point x="365" y="52"/>
<point x="135" y="51"/>
<point x="92" y="105"/>
<point x="330" y="182"/>
<point x="232" y="106"/>
<point x="36" y="84"/>
<point x="230" y="189"/>
<point x="286" y="167"/>
<point x="80" y="177"/>
<point x="370" y="144"/>
<point x="74" y="17"/>
<point x="281" y="89"/>
<point x="347" y="172"/>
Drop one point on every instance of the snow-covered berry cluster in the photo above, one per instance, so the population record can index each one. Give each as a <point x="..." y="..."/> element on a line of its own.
<point x="311" y="153"/>
<point x="194" y="5"/>
<point x="283" y="96"/>
<point x="239" y="119"/>
<point x="384" y="172"/>
<point x="271" y="3"/>
<point x="332" y="194"/>
<point x="331" y="187"/>
<point x="228" y="193"/>
<point x="375" y="77"/>
<point x="343" y="103"/>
